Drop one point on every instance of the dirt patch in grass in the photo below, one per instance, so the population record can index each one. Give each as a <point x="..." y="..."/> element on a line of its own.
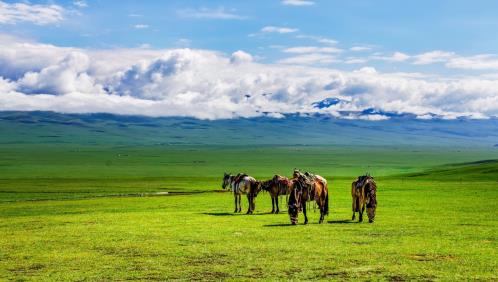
<point x="403" y="277"/>
<point x="430" y="257"/>
<point x="30" y="269"/>
<point x="340" y="275"/>
<point x="208" y="259"/>
<point x="291" y="273"/>
<point x="256" y="273"/>
<point x="209" y="276"/>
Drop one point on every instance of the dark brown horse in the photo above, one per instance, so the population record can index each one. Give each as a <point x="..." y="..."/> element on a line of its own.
<point x="277" y="186"/>
<point x="364" y="193"/>
<point x="308" y="187"/>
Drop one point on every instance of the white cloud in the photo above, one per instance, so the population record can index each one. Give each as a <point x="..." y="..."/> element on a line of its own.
<point x="240" y="56"/>
<point x="319" y="39"/>
<point x="309" y="59"/>
<point x="141" y="26"/>
<point x="312" y="49"/>
<point x="210" y="85"/>
<point x="298" y="2"/>
<point x="353" y="60"/>
<point x="206" y="13"/>
<point x="360" y="48"/>
<point x="278" y="29"/>
<point x="36" y="14"/>
<point x="433" y="57"/>
<point x="80" y="4"/>
<point x="395" y="57"/>
<point x="478" y="62"/>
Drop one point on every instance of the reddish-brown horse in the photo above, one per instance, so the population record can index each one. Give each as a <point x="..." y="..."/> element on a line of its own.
<point x="364" y="193"/>
<point x="277" y="186"/>
<point x="308" y="187"/>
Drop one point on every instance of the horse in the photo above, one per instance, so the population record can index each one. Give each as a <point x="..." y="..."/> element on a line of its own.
<point x="277" y="186"/>
<point x="242" y="184"/>
<point x="364" y="193"/>
<point x="308" y="187"/>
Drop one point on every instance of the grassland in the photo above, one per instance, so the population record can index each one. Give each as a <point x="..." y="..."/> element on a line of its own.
<point x="62" y="219"/>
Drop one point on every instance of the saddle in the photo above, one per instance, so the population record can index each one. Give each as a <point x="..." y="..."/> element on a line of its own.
<point x="239" y="178"/>
<point x="362" y="181"/>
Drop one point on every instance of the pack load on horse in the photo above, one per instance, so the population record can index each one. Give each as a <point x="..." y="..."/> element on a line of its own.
<point x="307" y="187"/>
<point x="364" y="194"/>
<point x="277" y="186"/>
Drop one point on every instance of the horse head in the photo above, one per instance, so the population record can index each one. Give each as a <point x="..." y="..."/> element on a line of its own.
<point x="294" y="203"/>
<point x="226" y="180"/>
<point x="371" y="200"/>
<point x="266" y="185"/>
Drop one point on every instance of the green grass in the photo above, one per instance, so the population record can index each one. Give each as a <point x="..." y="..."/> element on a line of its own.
<point x="59" y="219"/>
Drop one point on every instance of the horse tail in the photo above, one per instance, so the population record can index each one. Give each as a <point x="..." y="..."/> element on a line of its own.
<point x="357" y="199"/>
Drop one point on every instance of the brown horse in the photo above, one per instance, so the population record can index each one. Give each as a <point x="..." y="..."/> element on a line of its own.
<point x="308" y="187"/>
<point x="364" y="193"/>
<point x="242" y="184"/>
<point x="277" y="186"/>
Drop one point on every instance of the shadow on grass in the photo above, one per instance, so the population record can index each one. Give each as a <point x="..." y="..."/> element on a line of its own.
<point x="278" y="225"/>
<point x="288" y="224"/>
<point x="344" y="221"/>
<point x="233" y="214"/>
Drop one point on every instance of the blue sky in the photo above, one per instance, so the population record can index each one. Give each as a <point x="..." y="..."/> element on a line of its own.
<point x="464" y="27"/>
<point x="245" y="58"/>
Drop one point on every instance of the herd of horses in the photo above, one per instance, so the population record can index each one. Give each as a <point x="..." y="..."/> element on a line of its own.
<point x="300" y="189"/>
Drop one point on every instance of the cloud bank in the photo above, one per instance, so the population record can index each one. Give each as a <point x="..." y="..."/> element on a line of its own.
<point x="25" y="12"/>
<point x="210" y="85"/>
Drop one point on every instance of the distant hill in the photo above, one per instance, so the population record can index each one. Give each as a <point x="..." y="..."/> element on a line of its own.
<point x="50" y="127"/>
<point x="475" y="171"/>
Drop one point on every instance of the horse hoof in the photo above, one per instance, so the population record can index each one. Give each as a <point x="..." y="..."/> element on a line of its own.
<point x="370" y="221"/>
<point x="277" y="212"/>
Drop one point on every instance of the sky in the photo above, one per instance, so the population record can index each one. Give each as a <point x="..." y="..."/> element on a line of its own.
<point x="229" y="59"/>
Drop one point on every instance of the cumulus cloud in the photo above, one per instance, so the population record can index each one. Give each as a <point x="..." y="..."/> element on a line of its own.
<point x="24" y="12"/>
<point x="239" y="57"/>
<point x="278" y="29"/>
<point x="211" y="85"/>
<point x="298" y="2"/>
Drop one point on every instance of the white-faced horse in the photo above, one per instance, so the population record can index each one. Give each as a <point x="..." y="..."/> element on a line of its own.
<point x="242" y="184"/>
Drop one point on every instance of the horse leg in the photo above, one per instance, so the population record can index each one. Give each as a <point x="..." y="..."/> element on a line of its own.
<point x="361" y="213"/>
<point x="235" y="197"/>
<point x="272" y="204"/>
<point x="304" y="212"/>
<point x="249" y="204"/>
<point x="253" y="204"/>
<point x="276" y="202"/>
<point x="354" y="209"/>
<point x="239" y="197"/>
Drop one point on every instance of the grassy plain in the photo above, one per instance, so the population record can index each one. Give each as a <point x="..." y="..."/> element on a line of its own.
<point x="70" y="212"/>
